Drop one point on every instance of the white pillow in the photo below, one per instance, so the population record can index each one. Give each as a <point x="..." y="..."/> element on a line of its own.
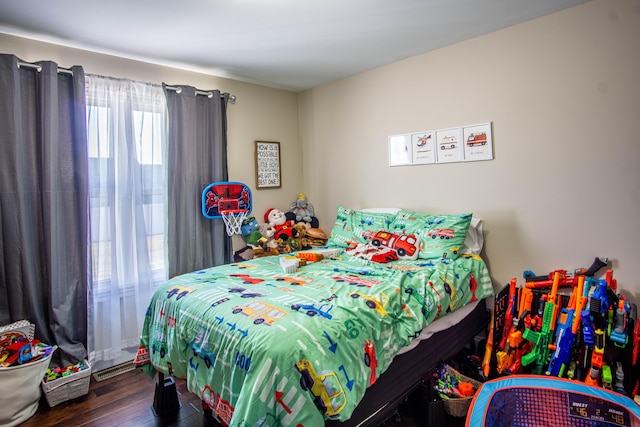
<point x="382" y="210"/>
<point x="475" y="238"/>
<point x="472" y="243"/>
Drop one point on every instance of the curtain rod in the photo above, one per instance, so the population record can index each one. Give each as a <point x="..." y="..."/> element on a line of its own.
<point x="232" y="98"/>
<point x="38" y="68"/>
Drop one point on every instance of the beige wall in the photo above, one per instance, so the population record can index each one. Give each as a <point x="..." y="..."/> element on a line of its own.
<point x="260" y="113"/>
<point x="561" y="91"/>
<point x="563" y="94"/>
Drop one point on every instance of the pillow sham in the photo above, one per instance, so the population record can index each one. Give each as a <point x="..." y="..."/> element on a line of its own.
<point x="474" y="241"/>
<point x="442" y="236"/>
<point x="351" y="225"/>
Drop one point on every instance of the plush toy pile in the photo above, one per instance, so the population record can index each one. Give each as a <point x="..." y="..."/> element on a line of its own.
<point x="282" y="232"/>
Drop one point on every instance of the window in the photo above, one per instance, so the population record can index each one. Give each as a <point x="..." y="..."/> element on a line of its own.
<point x="126" y="128"/>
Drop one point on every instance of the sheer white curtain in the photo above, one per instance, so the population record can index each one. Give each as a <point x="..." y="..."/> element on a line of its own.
<point x="126" y="126"/>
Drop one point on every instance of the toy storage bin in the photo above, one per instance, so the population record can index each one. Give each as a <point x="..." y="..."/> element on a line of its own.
<point x="20" y="391"/>
<point x="458" y="407"/>
<point x="67" y="388"/>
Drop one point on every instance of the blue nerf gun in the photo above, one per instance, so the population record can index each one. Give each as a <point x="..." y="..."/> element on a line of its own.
<point x="568" y="326"/>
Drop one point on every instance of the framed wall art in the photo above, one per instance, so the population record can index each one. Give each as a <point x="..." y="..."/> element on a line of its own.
<point x="449" y="145"/>
<point x="423" y="145"/>
<point x="456" y="144"/>
<point x="400" y="152"/>
<point x="267" y="156"/>
<point x="478" y="142"/>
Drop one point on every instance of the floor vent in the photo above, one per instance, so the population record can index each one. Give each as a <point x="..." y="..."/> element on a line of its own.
<point x="105" y="374"/>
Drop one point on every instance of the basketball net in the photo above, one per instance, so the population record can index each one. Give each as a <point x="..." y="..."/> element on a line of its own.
<point x="233" y="220"/>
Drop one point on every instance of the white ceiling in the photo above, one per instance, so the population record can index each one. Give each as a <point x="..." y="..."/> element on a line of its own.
<point x="287" y="44"/>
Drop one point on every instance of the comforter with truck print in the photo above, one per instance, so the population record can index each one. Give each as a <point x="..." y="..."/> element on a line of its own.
<point x="266" y="348"/>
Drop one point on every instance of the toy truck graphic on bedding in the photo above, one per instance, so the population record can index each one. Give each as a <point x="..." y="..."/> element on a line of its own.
<point x="352" y="279"/>
<point x="260" y="312"/>
<point x="200" y="347"/>
<point x="328" y="394"/>
<point x="181" y="291"/>
<point x="477" y="139"/>
<point x="376" y="304"/>
<point x="443" y="233"/>
<point x="403" y="244"/>
<point x="313" y="309"/>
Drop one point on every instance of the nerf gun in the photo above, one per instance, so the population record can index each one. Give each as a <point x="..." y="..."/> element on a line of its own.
<point x="568" y="327"/>
<point x="517" y="343"/>
<point x="504" y="357"/>
<point x="601" y="299"/>
<point x="613" y="283"/>
<point x="486" y="360"/>
<point x="596" y="265"/>
<point x="607" y="379"/>
<point x="542" y="339"/>
<point x="535" y="282"/>
<point x="619" y="333"/>
<point x="508" y="319"/>
<point x="566" y="278"/>
<point x="596" y="359"/>
<point x="536" y="321"/>
<point x="504" y="360"/>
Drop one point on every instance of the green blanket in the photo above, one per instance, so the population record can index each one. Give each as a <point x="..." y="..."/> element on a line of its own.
<point x="264" y="348"/>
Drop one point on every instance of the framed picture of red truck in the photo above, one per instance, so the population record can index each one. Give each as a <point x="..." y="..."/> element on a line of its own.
<point x="478" y="142"/>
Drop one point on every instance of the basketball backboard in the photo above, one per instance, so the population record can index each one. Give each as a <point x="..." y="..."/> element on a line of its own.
<point x="225" y="195"/>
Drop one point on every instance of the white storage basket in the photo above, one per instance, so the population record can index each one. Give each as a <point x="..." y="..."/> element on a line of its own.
<point x="67" y="388"/>
<point x="20" y="391"/>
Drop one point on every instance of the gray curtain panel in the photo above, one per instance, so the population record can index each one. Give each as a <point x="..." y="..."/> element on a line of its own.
<point x="197" y="156"/>
<point x="43" y="203"/>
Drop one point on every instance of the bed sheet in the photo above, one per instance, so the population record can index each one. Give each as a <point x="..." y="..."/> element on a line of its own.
<point x="265" y="348"/>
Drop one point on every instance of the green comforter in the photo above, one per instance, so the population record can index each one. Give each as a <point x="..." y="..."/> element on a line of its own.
<point x="264" y="348"/>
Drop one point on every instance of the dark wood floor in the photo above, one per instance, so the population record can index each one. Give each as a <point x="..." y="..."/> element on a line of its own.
<point x="127" y="400"/>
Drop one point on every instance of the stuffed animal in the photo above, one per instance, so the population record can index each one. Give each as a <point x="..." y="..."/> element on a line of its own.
<point x="283" y="227"/>
<point x="254" y="238"/>
<point x="262" y="241"/>
<point x="283" y="246"/>
<point x="302" y="211"/>
<point x="300" y="242"/>
<point x="262" y="249"/>
<point x="243" y="254"/>
<point x="249" y="225"/>
<point x="268" y="233"/>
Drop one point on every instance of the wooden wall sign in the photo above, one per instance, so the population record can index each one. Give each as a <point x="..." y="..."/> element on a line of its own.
<point x="268" y="173"/>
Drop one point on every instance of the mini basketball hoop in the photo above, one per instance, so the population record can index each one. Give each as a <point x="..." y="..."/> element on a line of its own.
<point x="233" y="220"/>
<point x="228" y="200"/>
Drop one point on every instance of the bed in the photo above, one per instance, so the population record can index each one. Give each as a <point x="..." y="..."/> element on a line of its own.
<point x="262" y="347"/>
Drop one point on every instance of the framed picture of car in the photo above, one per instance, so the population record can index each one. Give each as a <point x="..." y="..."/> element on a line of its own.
<point x="478" y="142"/>
<point x="449" y="145"/>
